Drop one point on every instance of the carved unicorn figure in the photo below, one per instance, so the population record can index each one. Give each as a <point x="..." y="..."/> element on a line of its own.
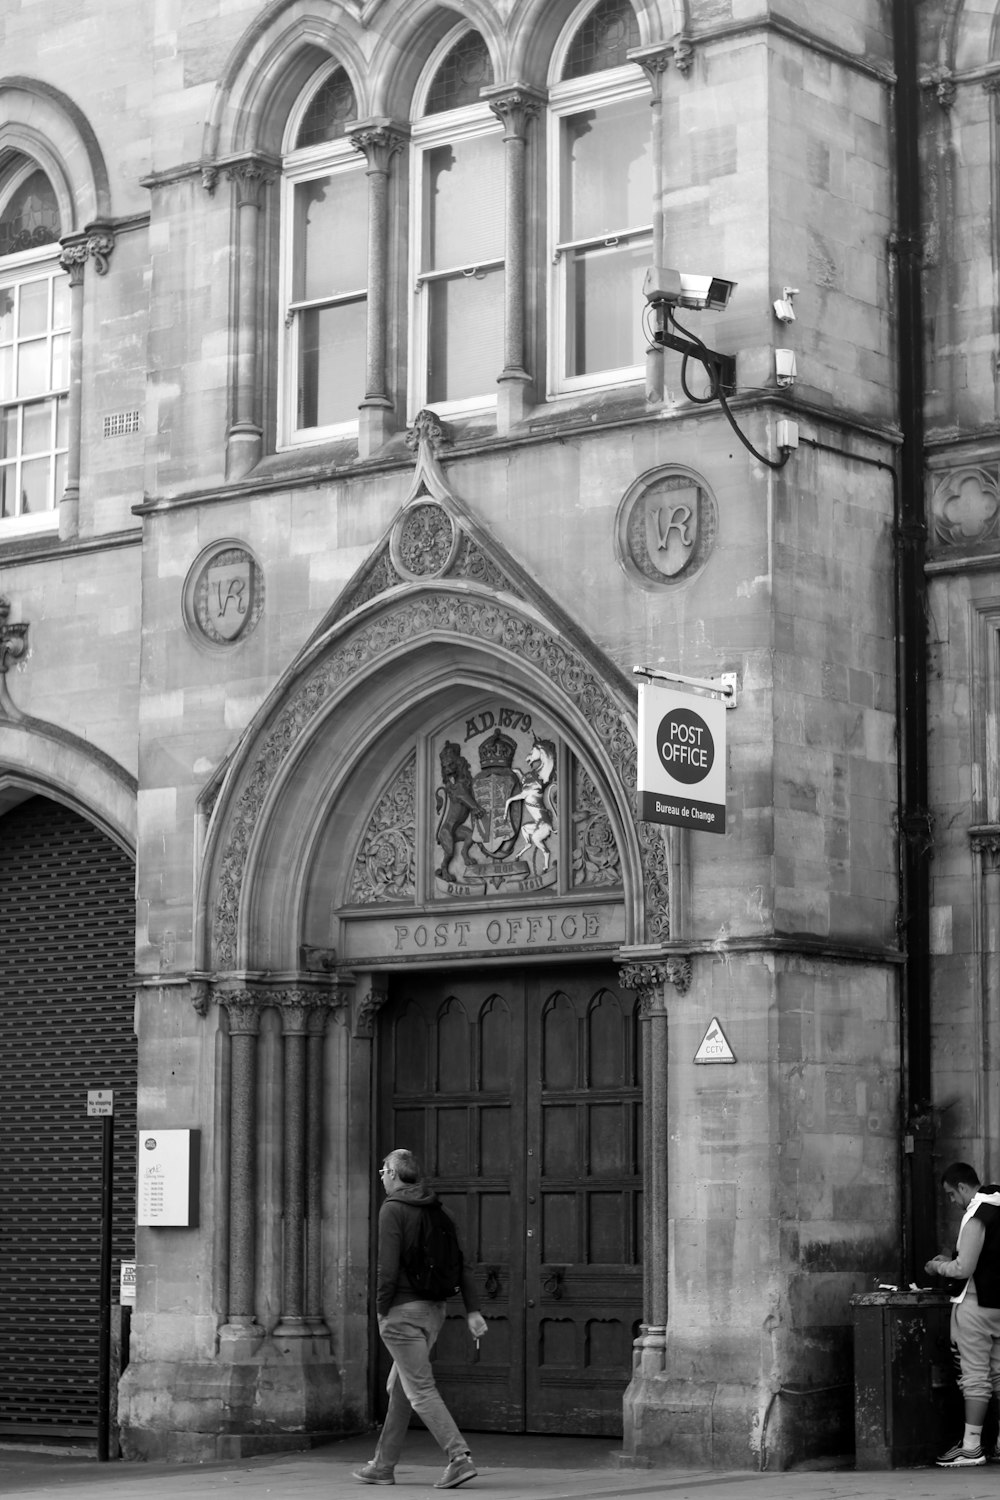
<point x="536" y="823"/>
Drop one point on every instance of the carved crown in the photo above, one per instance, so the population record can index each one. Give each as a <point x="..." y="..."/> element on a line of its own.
<point x="497" y="753"/>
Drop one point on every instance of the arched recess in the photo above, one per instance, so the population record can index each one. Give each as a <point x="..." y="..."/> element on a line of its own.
<point x="45" y="124"/>
<point x="36" y="760"/>
<point x="346" y="707"/>
<point x="268" y="69"/>
<point x="535" y="26"/>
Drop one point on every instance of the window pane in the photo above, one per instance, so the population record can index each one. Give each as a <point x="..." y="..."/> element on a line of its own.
<point x="606" y="170"/>
<point x="331" y="377"/>
<point x="34" y="311"/>
<point x="62" y="421"/>
<point x="331" y="236"/>
<point x="7" y="490"/>
<point x="463" y="72"/>
<point x="463" y="203"/>
<point x="36" y="491"/>
<point x="464" y="336"/>
<point x="6" y="373"/>
<point x="37" y="431"/>
<point x="604" y="305"/>
<point x="60" y="475"/>
<point x="30" y="217"/>
<point x="8" y="432"/>
<point x="6" y="314"/>
<point x="60" y="302"/>
<point x="33" y="367"/>
<point x="330" y="108"/>
<point x="60" y="362"/>
<point x="603" y="39"/>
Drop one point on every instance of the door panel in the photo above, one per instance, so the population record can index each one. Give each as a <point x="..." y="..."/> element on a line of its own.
<point x="519" y="1091"/>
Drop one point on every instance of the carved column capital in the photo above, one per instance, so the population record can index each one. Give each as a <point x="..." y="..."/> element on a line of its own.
<point x="250" y="178"/>
<point x="73" y="257"/>
<point x="647" y="978"/>
<point x="986" y="843"/>
<point x="379" y="141"/>
<point x="514" y="104"/>
<point x="243" y="1008"/>
<point x="655" y="60"/>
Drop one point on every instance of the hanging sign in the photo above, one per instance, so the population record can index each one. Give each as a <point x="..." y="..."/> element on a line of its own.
<point x="682" y="758"/>
<point x="714" y="1046"/>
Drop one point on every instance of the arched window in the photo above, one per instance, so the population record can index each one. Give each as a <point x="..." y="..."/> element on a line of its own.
<point x="601" y="208"/>
<point x="457" y="232"/>
<point x="34" y="348"/>
<point x="324" y="265"/>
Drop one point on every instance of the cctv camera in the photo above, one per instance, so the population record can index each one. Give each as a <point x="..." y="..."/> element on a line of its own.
<point x="680" y="289"/>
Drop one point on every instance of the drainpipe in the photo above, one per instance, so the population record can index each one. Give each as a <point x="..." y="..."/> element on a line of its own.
<point x="915" y="836"/>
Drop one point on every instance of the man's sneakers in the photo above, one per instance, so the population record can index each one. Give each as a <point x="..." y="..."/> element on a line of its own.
<point x="373" y="1473"/>
<point x="962" y="1458"/>
<point x="458" y="1471"/>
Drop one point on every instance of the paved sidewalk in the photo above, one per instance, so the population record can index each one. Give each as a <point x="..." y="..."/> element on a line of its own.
<point x="510" y="1468"/>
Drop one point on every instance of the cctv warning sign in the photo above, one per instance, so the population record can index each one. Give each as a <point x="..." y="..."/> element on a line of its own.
<point x="682" y="759"/>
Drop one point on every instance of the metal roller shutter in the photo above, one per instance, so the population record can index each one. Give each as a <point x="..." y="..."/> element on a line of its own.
<point x="67" y="960"/>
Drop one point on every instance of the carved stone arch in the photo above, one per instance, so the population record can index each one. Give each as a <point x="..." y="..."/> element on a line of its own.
<point x="270" y="66"/>
<point x="45" y="124"/>
<point x="968" y="35"/>
<point x="349" y="701"/>
<point x="409" y="38"/>
<point x="36" y="762"/>
<point x="535" y="26"/>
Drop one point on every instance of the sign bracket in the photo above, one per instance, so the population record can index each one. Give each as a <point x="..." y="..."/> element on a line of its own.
<point x="725" y="687"/>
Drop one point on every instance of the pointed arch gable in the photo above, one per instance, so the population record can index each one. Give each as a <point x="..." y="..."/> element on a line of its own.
<point x="411" y="640"/>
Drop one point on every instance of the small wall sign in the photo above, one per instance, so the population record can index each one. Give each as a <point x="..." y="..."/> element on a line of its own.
<point x="714" y="1046"/>
<point x="168" y="1178"/>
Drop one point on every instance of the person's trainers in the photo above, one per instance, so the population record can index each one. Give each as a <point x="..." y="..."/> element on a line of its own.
<point x="372" y="1473"/>
<point x="458" y="1471"/>
<point x="961" y="1458"/>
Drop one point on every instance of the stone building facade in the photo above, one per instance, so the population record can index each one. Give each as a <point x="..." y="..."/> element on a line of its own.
<point x="343" y="484"/>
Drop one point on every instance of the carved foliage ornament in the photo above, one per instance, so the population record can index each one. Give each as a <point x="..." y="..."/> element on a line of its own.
<point x="491" y="623"/>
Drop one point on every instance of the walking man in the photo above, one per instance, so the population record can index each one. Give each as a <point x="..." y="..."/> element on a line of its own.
<point x="408" y="1325"/>
<point x="975" y="1316"/>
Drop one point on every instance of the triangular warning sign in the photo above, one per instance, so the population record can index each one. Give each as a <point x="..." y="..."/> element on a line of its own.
<point x="714" y="1047"/>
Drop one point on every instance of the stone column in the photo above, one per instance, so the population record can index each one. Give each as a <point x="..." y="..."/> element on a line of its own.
<point x="295" y="1007"/>
<point x="96" y="242"/>
<point x="244" y="440"/>
<point x="654" y="62"/>
<point x="985" y="1073"/>
<point x="316" y="1025"/>
<point x="241" y="1333"/>
<point x="514" y="105"/>
<point x="380" y="141"/>
<point x="650" y="981"/>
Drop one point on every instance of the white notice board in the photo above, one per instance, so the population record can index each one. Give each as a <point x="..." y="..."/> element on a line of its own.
<point x="168" y="1178"/>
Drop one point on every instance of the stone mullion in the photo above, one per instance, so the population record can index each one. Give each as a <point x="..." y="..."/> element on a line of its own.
<point x="243" y="1007"/>
<point x="379" y="141"/>
<point x="244" y="440"/>
<point x="514" y="106"/>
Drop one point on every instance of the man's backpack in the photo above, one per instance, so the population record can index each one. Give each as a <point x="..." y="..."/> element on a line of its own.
<point x="434" y="1264"/>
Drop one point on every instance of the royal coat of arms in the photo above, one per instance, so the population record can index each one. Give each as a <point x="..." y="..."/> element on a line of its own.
<point x="496" y="827"/>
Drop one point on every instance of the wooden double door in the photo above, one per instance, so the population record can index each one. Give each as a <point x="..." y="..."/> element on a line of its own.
<point x="520" y="1090"/>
